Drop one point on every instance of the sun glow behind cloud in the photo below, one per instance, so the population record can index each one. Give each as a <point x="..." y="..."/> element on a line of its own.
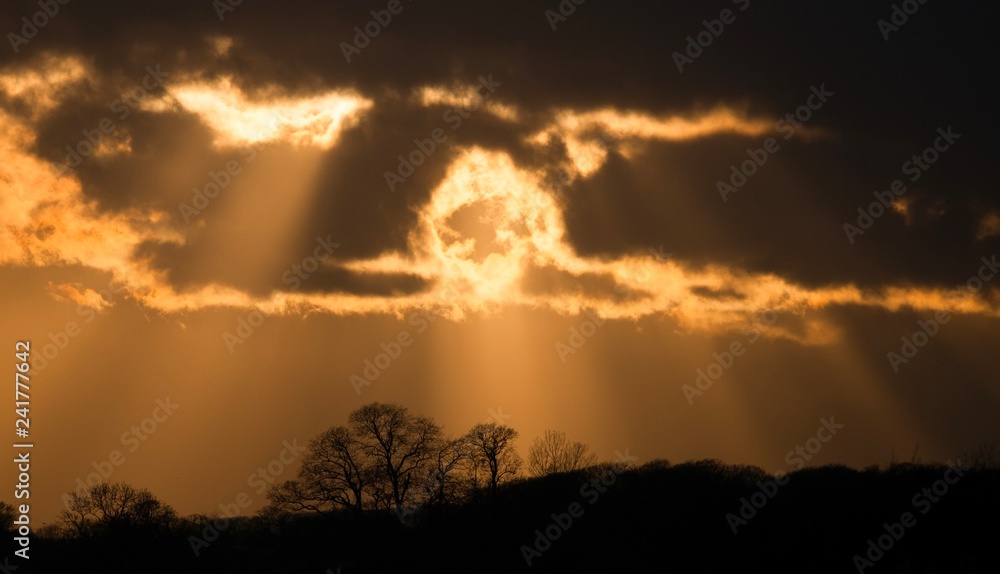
<point x="487" y="225"/>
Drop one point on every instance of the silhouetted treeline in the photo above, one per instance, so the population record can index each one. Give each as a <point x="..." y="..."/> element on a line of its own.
<point x="605" y="518"/>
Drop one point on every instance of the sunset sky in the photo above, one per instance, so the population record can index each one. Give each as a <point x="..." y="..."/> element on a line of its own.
<point x="552" y="215"/>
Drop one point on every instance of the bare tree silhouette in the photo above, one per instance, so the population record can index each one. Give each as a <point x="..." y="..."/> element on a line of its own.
<point x="986" y="455"/>
<point x="335" y="474"/>
<point x="402" y="444"/>
<point x="554" y="453"/>
<point x="492" y="447"/>
<point x="450" y="460"/>
<point x="7" y="516"/>
<point x="114" y="508"/>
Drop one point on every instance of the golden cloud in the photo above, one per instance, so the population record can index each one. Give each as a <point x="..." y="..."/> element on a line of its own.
<point x="239" y="120"/>
<point x="485" y="227"/>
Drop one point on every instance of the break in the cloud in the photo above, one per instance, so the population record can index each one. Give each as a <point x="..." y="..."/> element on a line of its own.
<point x="530" y="195"/>
<point x="236" y="121"/>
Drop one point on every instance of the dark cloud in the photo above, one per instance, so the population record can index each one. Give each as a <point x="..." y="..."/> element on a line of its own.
<point x="721" y="294"/>
<point x="171" y="155"/>
<point x="551" y="281"/>
<point x="890" y="97"/>
<point x="188" y="271"/>
<point x="787" y="218"/>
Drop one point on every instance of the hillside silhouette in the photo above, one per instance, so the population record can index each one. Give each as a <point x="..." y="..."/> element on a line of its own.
<point x="390" y="492"/>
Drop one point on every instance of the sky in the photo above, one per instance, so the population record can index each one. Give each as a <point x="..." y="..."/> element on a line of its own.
<point x="695" y="230"/>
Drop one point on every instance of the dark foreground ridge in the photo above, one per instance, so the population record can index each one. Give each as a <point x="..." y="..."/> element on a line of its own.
<point x="699" y="516"/>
